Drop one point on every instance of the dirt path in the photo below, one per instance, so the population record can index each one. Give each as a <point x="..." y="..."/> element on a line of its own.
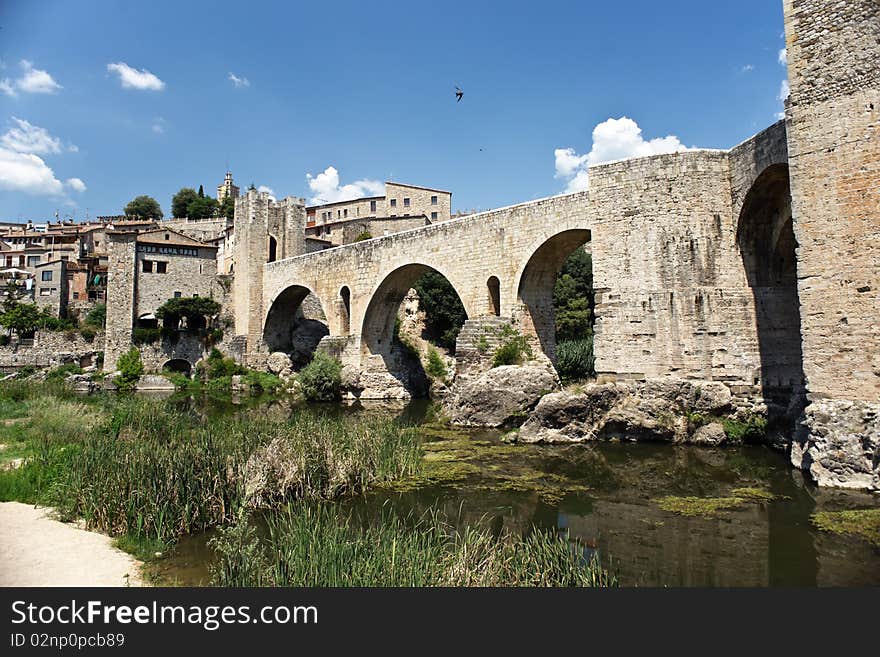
<point x="36" y="550"/>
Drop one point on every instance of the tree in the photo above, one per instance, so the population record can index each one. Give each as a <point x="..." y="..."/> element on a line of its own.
<point x="194" y="309"/>
<point x="181" y="200"/>
<point x="201" y="192"/>
<point x="144" y="207"/>
<point x="573" y="297"/>
<point x="23" y="318"/>
<point x="444" y="312"/>
<point x="202" y="208"/>
<point x="227" y="208"/>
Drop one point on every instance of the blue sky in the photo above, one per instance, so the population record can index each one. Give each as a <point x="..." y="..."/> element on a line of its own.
<point x="368" y="89"/>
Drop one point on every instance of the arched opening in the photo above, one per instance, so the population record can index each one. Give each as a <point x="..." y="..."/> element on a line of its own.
<point x="544" y="286"/>
<point x="147" y="320"/>
<point x="178" y="365"/>
<point x="273" y="249"/>
<point x="413" y="310"/>
<point x="766" y="240"/>
<point x="494" y="289"/>
<point x="345" y="314"/>
<point x="295" y="324"/>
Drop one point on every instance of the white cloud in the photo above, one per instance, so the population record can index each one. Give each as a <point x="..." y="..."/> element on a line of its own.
<point x="28" y="138"/>
<point x="326" y="189"/>
<point x="131" y="78"/>
<point x="28" y="173"/>
<point x="748" y="68"/>
<point x="265" y="188"/>
<point x="239" y="82"/>
<point x="76" y="184"/>
<point x="784" y="91"/>
<point x="32" y="81"/>
<point x="614" y="139"/>
<point x="783" y="57"/>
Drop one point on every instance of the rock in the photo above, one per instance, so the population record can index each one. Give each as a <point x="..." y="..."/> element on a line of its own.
<point x="279" y="363"/>
<point x="502" y="396"/>
<point x="838" y="443"/>
<point x="154" y="382"/>
<point x="567" y="416"/>
<point x="711" y="397"/>
<point x="81" y="382"/>
<point x="108" y="383"/>
<point x="709" y="435"/>
<point x="237" y="384"/>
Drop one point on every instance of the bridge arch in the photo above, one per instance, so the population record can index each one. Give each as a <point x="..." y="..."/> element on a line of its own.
<point x="377" y="332"/>
<point x="766" y="240"/>
<point x="292" y="327"/>
<point x="180" y="365"/>
<point x="536" y="282"/>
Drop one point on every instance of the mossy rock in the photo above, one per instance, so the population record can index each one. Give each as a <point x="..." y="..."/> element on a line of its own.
<point x="864" y="523"/>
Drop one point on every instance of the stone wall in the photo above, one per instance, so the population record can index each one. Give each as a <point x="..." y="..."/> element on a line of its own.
<point x="121" y="248"/>
<point x="201" y="229"/>
<point x="185" y="275"/>
<point x="51" y="349"/>
<point x="834" y="140"/>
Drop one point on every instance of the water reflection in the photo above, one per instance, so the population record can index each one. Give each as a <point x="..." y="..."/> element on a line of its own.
<point x="602" y="498"/>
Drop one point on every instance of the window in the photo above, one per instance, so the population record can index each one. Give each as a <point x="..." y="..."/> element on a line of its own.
<point x="161" y="267"/>
<point x="433" y="216"/>
<point x="406" y="202"/>
<point x="147" y="267"/>
<point x="345" y="213"/>
<point x="47" y="276"/>
<point x="76" y="295"/>
<point x="46" y="291"/>
<point x="33" y="261"/>
<point x="433" y="200"/>
<point x="167" y="236"/>
<point x="372" y="206"/>
<point x="177" y="295"/>
<point x="394" y="203"/>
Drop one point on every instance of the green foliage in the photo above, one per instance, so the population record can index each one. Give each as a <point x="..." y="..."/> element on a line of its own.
<point x="315" y="545"/>
<point x="145" y="335"/>
<point x="227" y="208"/>
<point x="363" y="235"/>
<point x="514" y="348"/>
<point x="23" y="318"/>
<point x="436" y="367"/>
<point x="260" y="382"/>
<point x="130" y="368"/>
<point x="573" y="297"/>
<point x="88" y="333"/>
<point x="752" y="430"/>
<point x="575" y="360"/>
<point x="444" y="312"/>
<point x="63" y="371"/>
<point x="321" y="379"/>
<point x="217" y="366"/>
<point x="144" y="207"/>
<point x="181" y="200"/>
<point x="195" y="309"/>
<point x="203" y="207"/>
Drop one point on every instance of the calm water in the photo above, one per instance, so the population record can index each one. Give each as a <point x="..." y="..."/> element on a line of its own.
<point x="604" y="498"/>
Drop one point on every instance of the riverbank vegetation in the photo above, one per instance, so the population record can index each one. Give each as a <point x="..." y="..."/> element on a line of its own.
<point x="314" y="545"/>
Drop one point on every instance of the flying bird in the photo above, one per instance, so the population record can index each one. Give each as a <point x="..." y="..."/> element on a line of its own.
<point x="458" y="94"/>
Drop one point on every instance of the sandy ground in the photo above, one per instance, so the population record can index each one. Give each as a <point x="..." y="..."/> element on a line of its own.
<point x="36" y="550"/>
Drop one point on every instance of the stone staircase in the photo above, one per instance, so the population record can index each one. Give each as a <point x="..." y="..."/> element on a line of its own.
<point x="477" y="342"/>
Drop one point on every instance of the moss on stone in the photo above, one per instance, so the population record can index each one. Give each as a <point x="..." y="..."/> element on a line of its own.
<point x="706" y="507"/>
<point x="753" y="494"/>
<point x="864" y="523"/>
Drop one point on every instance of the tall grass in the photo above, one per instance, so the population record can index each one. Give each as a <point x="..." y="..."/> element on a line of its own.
<point x="312" y="545"/>
<point x="158" y="473"/>
<point x="575" y="360"/>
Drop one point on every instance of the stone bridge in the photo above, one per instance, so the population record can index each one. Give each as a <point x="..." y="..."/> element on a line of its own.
<point x="685" y="268"/>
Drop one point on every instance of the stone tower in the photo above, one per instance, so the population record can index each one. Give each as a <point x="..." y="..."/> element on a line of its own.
<point x="227" y="188"/>
<point x="265" y="230"/>
<point x="833" y="124"/>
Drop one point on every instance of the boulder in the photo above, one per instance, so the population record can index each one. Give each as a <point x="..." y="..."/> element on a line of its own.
<point x="81" y="382"/>
<point x="709" y="435"/>
<point x="571" y="416"/>
<point x="838" y="443"/>
<point x="279" y="363"/>
<point x="154" y="382"/>
<point x="501" y="396"/>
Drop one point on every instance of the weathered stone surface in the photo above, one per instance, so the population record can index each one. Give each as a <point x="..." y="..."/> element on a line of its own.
<point x="279" y="363"/>
<point x="154" y="382"/>
<point x="81" y="382"/>
<point x="838" y="444"/>
<point x="654" y="410"/>
<point x="500" y="396"/>
<point x="709" y="435"/>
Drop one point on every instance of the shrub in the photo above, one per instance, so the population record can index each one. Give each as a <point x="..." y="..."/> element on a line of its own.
<point x="130" y="368"/>
<point x="63" y="371"/>
<point x="217" y="366"/>
<point x="321" y="379"/>
<point x="97" y="316"/>
<point x="752" y="430"/>
<point x="88" y="333"/>
<point x="575" y="360"/>
<point x="514" y="349"/>
<point x="364" y="235"/>
<point x="262" y="382"/>
<point x="146" y="335"/>
<point x="436" y="367"/>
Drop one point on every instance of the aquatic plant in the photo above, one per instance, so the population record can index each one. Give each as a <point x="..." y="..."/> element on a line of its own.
<point x="321" y="379"/>
<point x="315" y="545"/>
<point x="864" y="523"/>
